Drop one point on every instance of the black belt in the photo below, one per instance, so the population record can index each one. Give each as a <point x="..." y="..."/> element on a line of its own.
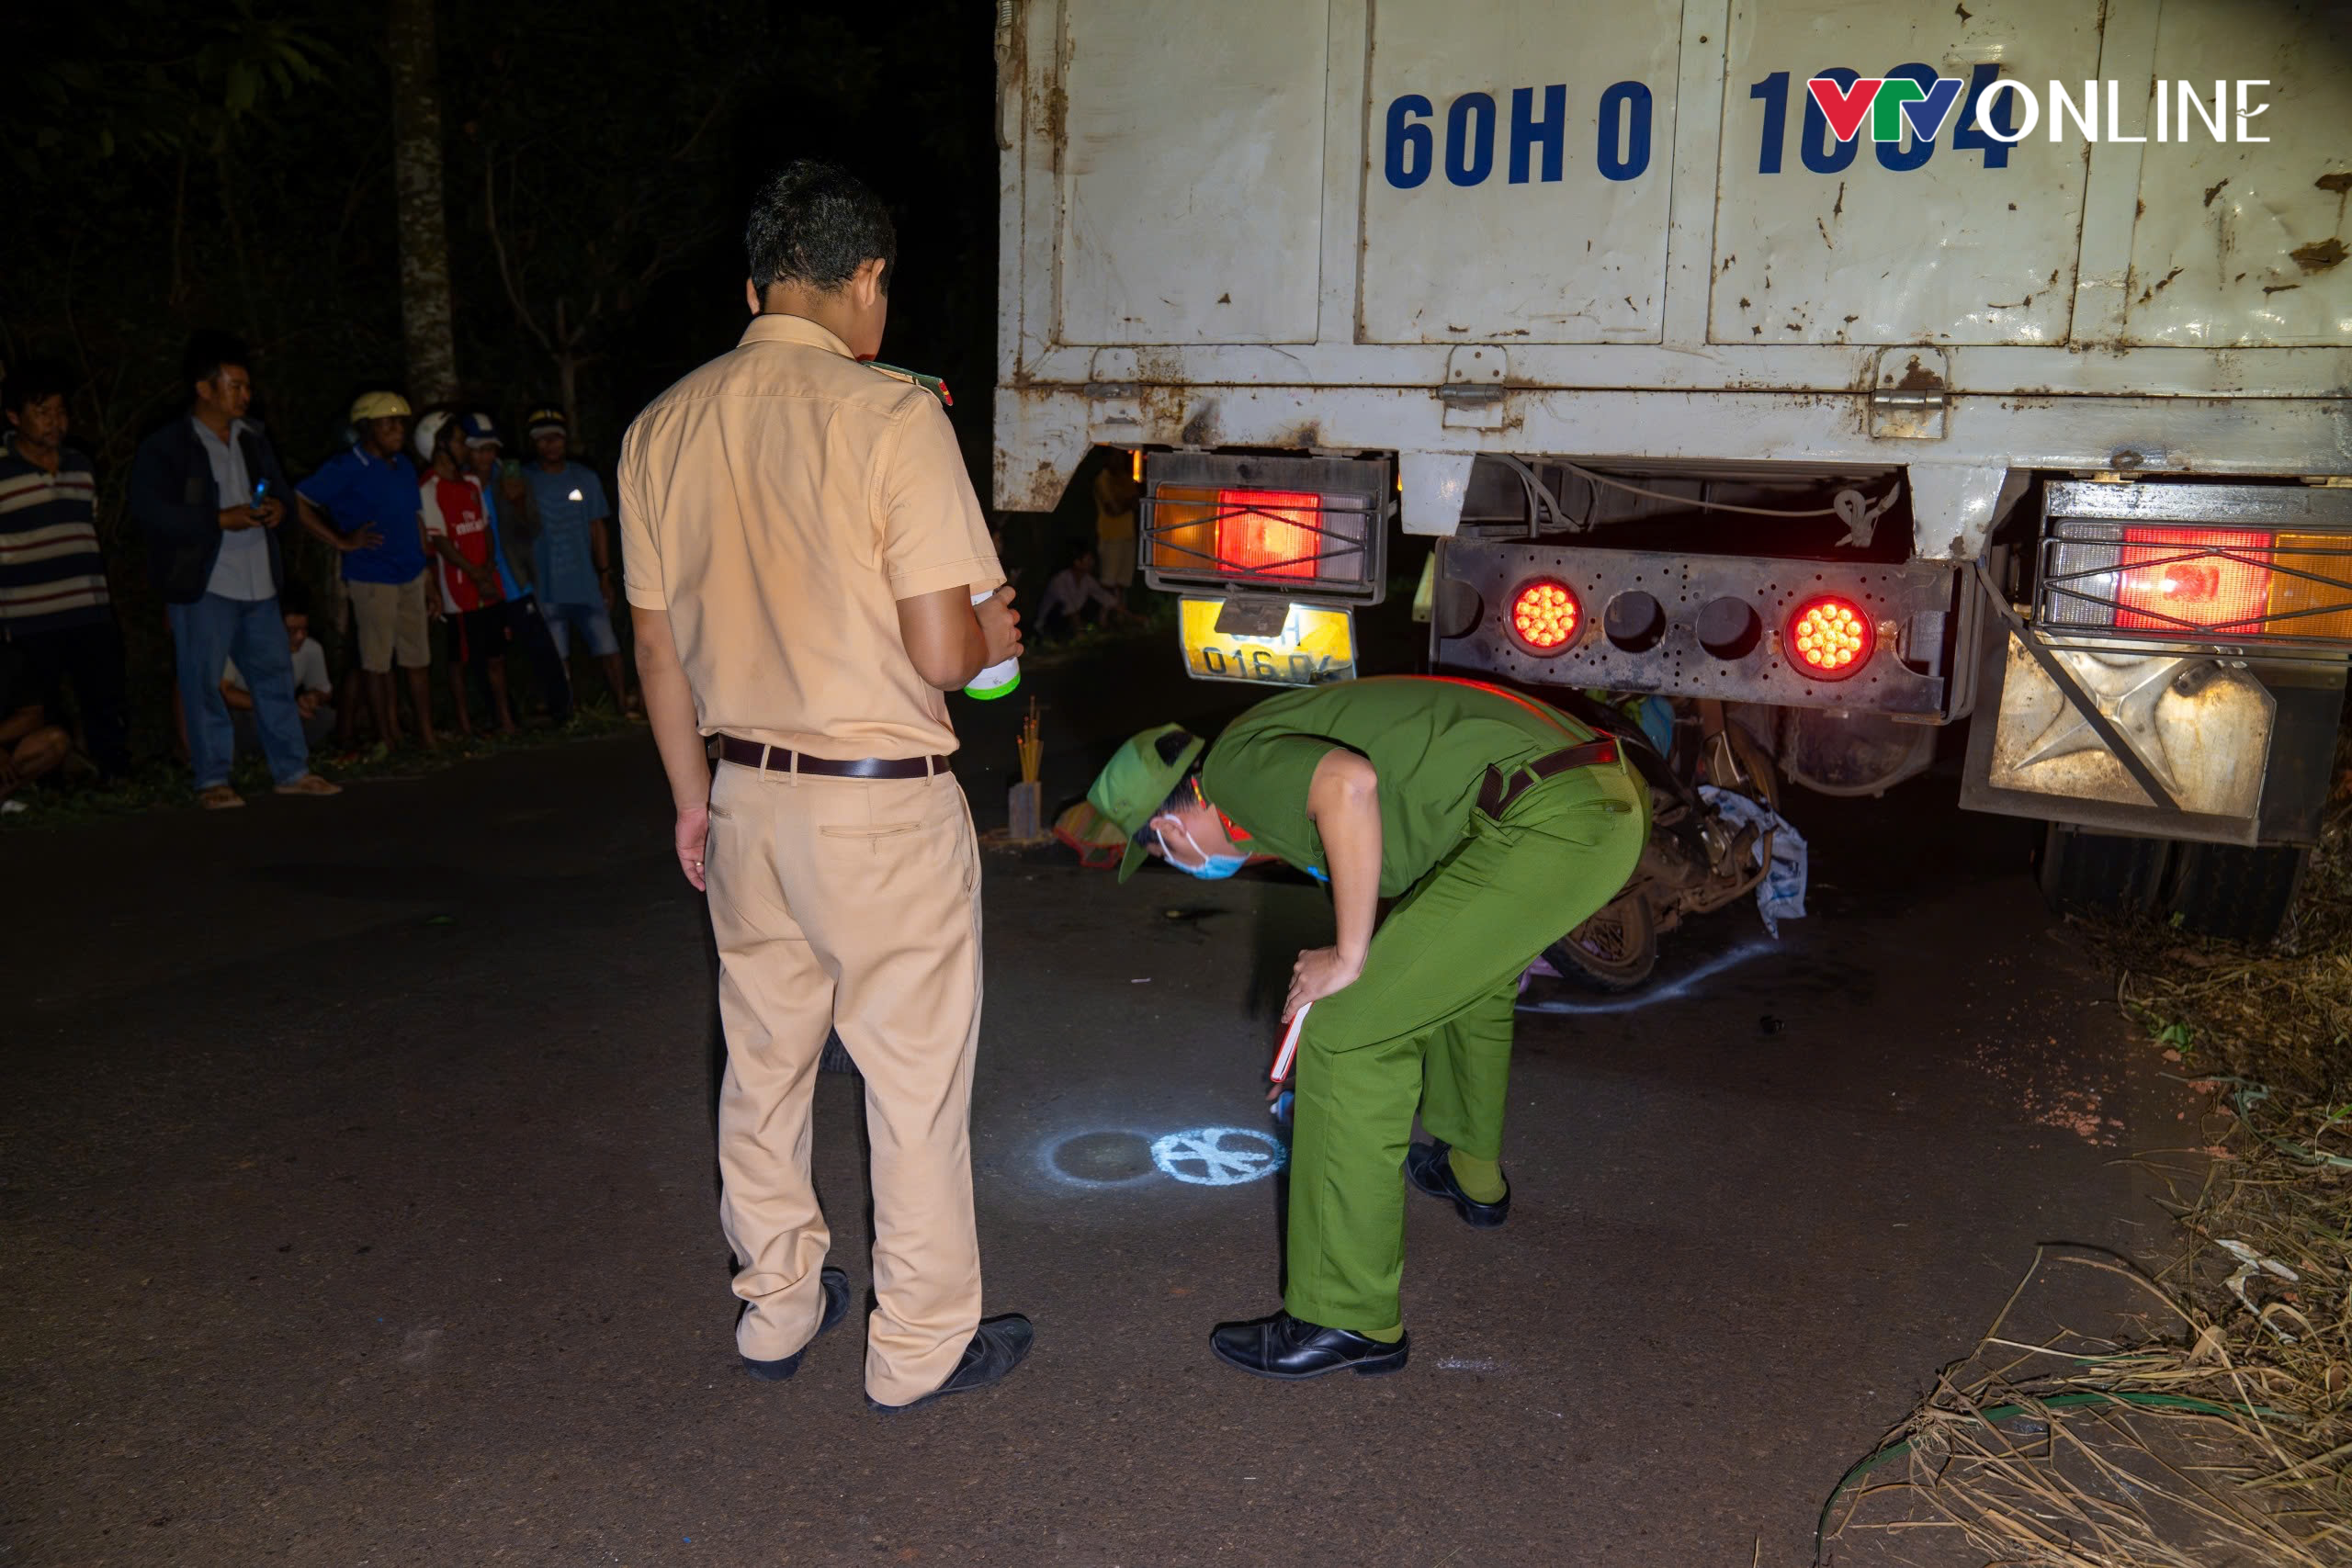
<point x="1501" y="789"/>
<point x="781" y="760"/>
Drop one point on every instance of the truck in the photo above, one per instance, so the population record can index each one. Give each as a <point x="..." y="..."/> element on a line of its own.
<point x="1868" y="369"/>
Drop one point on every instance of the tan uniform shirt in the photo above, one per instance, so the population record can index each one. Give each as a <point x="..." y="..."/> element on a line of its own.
<point x="778" y="502"/>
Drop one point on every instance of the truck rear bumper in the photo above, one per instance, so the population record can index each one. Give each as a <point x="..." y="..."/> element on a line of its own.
<point x="1044" y="431"/>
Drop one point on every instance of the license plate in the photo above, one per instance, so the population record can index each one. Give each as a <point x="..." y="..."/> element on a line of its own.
<point x="1266" y="642"/>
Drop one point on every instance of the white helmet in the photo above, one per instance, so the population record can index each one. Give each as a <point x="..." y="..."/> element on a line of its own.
<point x="428" y="431"/>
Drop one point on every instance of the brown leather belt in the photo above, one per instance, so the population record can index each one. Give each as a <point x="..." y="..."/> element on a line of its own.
<point x="781" y="760"/>
<point x="1499" y="791"/>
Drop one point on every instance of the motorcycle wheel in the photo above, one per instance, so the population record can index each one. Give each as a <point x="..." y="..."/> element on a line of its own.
<point x="1613" y="950"/>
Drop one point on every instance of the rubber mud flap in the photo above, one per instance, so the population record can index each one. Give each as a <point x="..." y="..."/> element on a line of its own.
<point x="2103" y="873"/>
<point x="2226" y="891"/>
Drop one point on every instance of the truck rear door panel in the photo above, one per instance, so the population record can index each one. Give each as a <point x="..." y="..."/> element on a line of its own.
<point x="1516" y="180"/>
<point x="2242" y="244"/>
<point x="1191" y="215"/>
<point x="1822" y="242"/>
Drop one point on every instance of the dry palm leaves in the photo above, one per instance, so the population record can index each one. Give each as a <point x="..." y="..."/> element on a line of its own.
<point x="2224" y="1437"/>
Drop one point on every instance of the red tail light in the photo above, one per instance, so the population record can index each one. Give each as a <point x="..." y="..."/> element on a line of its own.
<point x="2172" y="578"/>
<point x="1270" y="532"/>
<point x="1545" y="614"/>
<point x="1830" y="638"/>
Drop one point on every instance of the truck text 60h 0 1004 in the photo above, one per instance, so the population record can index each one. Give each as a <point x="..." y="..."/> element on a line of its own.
<point x="1874" y="368"/>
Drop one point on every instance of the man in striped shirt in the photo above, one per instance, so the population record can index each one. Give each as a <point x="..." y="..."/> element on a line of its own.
<point x="53" y="601"/>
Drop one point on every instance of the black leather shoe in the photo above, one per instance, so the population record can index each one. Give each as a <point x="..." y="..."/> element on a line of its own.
<point x="998" y="1345"/>
<point x="836" y="1284"/>
<point x="1427" y="1168"/>
<point x="1291" y="1348"/>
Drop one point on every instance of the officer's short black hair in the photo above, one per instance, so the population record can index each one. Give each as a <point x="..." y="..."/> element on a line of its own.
<point x="33" y="381"/>
<point x="1178" y="799"/>
<point x="207" y="352"/>
<point x="816" y="223"/>
<point x="1183" y="795"/>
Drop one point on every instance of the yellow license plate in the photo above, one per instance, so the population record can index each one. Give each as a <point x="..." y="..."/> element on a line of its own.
<point x="1268" y="642"/>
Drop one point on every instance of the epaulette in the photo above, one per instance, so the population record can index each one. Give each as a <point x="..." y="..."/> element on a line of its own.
<point x="931" y="384"/>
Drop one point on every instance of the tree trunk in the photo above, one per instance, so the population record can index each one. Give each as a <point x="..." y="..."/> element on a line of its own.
<point x="567" y="361"/>
<point x="568" y="384"/>
<point x="425" y="313"/>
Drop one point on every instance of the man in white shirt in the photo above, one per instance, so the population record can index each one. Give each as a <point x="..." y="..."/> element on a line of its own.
<point x="313" y="691"/>
<point x="1076" y="597"/>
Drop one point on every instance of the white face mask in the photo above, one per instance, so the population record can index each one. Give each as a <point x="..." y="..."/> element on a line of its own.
<point x="1211" y="868"/>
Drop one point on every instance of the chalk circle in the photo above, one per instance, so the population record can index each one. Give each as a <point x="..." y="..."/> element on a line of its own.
<point x="1218" y="1157"/>
<point x="1099" y="1158"/>
<point x="1105" y="1159"/>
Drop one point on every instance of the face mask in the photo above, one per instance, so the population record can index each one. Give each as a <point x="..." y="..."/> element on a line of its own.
<point x="1212" y="868"/>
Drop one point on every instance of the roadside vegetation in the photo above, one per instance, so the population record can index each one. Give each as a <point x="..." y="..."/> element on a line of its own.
<point x="2220" y="1433"/>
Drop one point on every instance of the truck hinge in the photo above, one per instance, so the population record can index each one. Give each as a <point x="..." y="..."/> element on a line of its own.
<point x="1909" y="390"/>
<point x="1472" y="393"/>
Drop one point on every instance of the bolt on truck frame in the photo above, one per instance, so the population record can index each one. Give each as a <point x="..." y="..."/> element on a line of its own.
<point x="2036" y="417"/>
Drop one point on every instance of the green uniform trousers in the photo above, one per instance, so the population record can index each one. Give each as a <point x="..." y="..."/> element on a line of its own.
<point x="1429" y="1023"/>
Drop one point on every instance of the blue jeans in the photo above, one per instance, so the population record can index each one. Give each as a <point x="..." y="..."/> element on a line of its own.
<point x="595" y="625"/>
<point x="207" y="635"/>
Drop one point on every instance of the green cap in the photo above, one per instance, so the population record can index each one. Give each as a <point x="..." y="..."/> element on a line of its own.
<point x="1137" y="781"/>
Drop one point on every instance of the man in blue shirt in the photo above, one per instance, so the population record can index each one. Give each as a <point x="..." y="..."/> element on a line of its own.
<point x="512" y="516"/>
<point x="209" y="493"/>
<point x="363" y="501"/>
<point x="572" y="560"/>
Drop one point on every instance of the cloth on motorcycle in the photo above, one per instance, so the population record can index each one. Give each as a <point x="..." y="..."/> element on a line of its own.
<point x="1781" y="895"/>
<point x="1653" y="715"/>
<point x="1429" y="1023"/>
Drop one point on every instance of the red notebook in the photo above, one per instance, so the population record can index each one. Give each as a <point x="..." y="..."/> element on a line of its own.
<point x="1288" y="1053"/>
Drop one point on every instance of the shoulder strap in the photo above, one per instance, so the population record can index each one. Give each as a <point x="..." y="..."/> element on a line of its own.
<point x="931" y="384"/>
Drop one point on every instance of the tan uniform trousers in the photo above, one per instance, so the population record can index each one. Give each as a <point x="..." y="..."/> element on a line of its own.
<point x="852" y="904"/>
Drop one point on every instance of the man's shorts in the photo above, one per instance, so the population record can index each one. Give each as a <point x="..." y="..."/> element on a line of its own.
<point x="479" y="637"/>
<point x="392" y="621"/>
<point x="595" y="628"/>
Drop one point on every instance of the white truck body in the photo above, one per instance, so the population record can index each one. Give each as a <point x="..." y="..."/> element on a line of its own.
<point x="1439" y="228"/>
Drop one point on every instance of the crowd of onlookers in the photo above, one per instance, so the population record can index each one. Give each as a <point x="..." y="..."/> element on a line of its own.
<point x="450" y="549"/>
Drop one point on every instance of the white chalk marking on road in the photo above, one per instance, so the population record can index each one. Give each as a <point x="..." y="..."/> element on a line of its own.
<point x="1049" y="1160"/>
<point x="1673" y="992"/>
<point x="1468" y="1364"/>
<point x="1218" y="1157"/>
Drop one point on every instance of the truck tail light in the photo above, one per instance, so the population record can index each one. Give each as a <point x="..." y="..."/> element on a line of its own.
<point x="1544" y="615"/>
<point x="1269" y="533"/>
<point x="2173" y="579"/>
<point x="1287" y="537"/>
<point x="2233" y="584"/>
<point x="1830" y="638"/>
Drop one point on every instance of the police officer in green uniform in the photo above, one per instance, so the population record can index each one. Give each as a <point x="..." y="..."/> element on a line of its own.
<point x="1499" y="824"/>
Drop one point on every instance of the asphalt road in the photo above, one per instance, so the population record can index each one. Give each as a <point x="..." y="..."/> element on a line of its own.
<point x="358" y="1204"/>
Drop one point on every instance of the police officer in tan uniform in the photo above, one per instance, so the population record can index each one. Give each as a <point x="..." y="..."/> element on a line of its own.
<point x="801" y="548"/>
